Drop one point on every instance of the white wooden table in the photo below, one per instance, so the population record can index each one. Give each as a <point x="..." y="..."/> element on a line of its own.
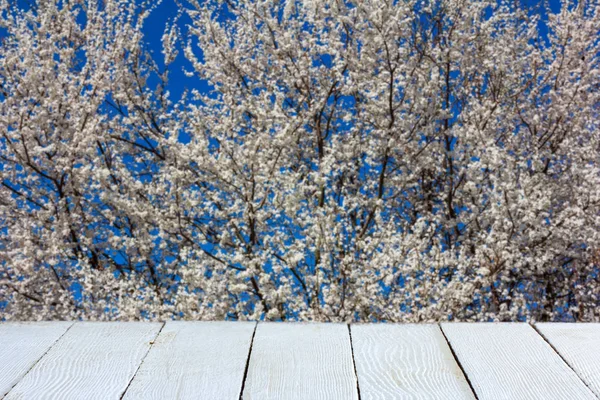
<point x="245" y="360"/>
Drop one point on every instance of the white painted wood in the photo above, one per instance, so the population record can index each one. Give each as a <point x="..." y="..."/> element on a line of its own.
<point x="512" y="361"/>
<point x="22" y="344"/>
<point x="406" y="362"/>
<point x="579" y="345"/>
<point x="301" y="361"/>
<point x="191" y="360"/>
<point x="93" y="360"/>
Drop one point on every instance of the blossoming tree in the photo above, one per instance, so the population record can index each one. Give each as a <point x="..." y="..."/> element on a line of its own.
<point x="354" y="160"/>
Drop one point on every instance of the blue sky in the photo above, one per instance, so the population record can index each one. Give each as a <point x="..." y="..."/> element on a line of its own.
<point x="154" y="28"/>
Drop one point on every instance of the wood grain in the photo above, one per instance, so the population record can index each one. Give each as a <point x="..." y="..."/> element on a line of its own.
<point x="406" y="362"/>
<point x="579" y="345"/>
<point x="301" y="361"/>
<point x="512" y="361"/>
<point x="93" y="360"/>
<point x="23" y="344"/>
<point x="191" y="360"/>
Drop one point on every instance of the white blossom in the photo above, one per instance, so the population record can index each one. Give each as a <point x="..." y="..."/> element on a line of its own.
<point x="354" y="161"/>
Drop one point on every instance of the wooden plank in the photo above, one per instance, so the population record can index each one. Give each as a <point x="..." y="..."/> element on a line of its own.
<point x="23" y="344"/>
<point x="406" y="361"/>
<point x="579" y="345"/>
<point x="301" y="361"/>
<point x="93" y="360"/>
<point x="195" y="359"/>
<point x="511" y="361"/>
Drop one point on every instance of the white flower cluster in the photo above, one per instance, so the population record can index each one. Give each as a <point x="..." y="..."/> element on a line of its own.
<point x="355" y="161"/>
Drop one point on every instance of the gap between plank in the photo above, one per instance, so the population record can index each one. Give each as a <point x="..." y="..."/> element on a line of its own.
<point x="458" y="362"/>
<point x="561" y="357"/>
<point x="354" y="361"/>
<point x="248" y="362"/>
<point x="38" y="360"/>
<point x="143" y="358"/>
